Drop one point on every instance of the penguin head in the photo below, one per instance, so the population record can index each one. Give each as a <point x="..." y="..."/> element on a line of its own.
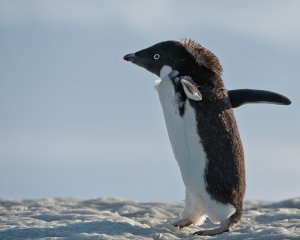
<point x="170" y="53"/>
<point x="185" y="56"/>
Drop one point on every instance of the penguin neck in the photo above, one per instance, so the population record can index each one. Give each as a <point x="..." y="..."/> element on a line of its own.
<point x="205" y="78"/>
<point x="177" y="86"/>
<point x="165" y="71"/>
<point x="164" y="75"/>
<point x="200" y="75"/>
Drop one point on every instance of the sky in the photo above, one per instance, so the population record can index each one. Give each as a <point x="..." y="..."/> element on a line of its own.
<point x="78" y="121"/>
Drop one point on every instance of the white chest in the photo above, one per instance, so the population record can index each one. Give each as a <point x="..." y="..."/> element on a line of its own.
<point x="182" y="131"/>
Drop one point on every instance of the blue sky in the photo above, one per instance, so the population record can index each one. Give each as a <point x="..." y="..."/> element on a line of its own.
<point x="78" y="121"/>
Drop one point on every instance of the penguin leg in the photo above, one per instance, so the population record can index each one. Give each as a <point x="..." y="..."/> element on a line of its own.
<point x="224" y="227"/>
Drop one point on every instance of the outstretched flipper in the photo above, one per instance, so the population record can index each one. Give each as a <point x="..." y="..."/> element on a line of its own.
<point x="240" y="97"/>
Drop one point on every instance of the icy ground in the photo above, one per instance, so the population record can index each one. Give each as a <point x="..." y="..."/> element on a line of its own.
<point x="120" y="219"/>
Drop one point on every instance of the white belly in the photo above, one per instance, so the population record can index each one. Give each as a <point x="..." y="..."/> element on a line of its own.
<point x="189" y="154"/>
<point x="183" y="136"/>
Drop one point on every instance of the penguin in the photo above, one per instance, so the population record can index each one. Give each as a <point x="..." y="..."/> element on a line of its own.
<point x="202" y="129"/>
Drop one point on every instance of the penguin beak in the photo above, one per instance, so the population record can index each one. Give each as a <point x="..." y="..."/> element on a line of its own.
<point x="129" y="57"/>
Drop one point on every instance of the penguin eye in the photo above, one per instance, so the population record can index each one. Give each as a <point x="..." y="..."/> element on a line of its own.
<point x="156" y="56"/>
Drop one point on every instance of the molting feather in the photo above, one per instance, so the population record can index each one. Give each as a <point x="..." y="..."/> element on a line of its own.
<point x="203" y="56"/>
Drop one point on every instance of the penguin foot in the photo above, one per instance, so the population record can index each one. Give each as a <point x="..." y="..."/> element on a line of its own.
<point x="211" y="232"/>
<point x="182" y="223"/>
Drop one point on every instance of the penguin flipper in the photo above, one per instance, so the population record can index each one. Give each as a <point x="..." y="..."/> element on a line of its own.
<point x="240" y="97"/>
<point x="191" y="90"/>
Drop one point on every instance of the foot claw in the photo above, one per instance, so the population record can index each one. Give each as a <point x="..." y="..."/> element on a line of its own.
<point x="198" y="233"/>
<point x="210" y="232"/>
<point x="182" y="223"/>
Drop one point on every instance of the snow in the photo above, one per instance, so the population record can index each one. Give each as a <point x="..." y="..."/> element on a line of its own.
<point x="121" y="219"/>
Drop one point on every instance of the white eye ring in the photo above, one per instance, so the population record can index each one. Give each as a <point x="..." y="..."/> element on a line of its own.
<point x="156" y="56"/>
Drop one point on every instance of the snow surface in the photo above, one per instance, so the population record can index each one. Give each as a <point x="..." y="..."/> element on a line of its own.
<point x="120" y="219"/>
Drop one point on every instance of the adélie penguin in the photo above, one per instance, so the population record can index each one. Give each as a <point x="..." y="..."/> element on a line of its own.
<point x="202" y="129"/>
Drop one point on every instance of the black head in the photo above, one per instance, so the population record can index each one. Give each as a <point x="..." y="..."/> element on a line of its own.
<point x="187" y="57"/>
<point x="169" y="53"/>
<point x="155" y="57"/>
